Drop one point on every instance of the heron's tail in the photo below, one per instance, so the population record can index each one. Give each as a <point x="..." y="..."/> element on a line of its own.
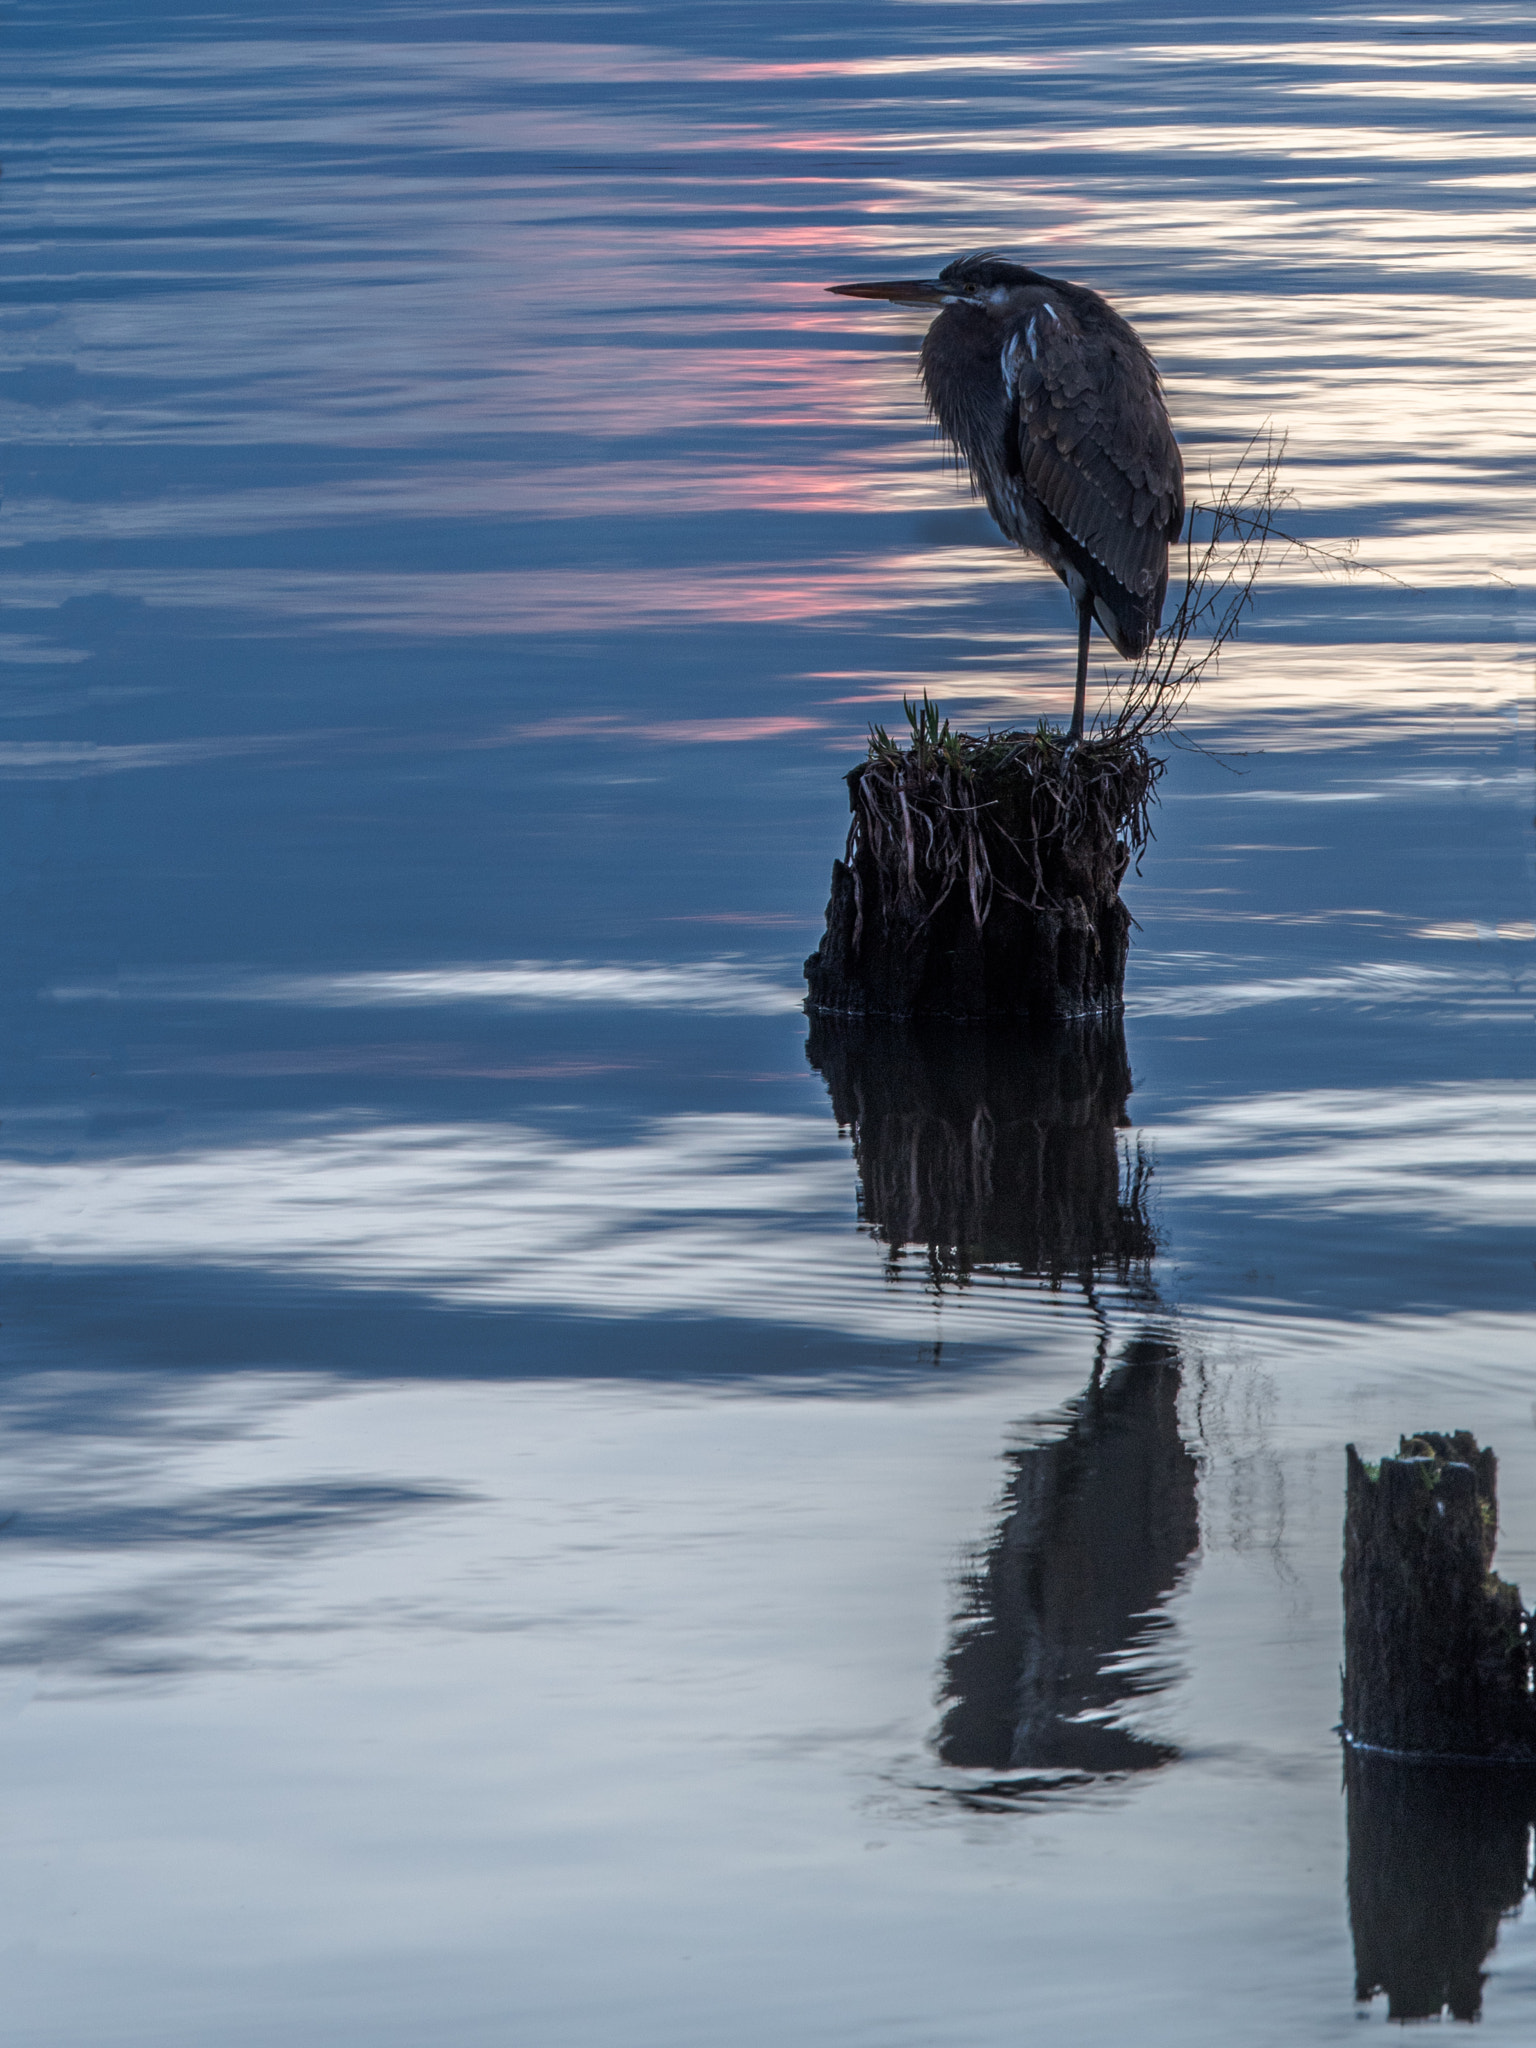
<point x="1130" y="622"/>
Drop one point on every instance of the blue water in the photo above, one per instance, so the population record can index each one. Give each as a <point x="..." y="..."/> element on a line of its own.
<point x="488" y="1514"/>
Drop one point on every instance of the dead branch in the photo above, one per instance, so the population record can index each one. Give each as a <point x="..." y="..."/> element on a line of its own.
<point x="1231" y="535"/>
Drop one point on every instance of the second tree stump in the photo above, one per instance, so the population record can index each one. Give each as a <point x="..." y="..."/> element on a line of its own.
<point x="1437" y="1649"/>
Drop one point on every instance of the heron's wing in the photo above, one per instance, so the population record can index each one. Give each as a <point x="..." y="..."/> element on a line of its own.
<point x="1095" y="446"/>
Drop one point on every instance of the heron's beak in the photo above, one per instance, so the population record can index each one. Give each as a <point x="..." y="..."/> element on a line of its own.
<point x="917" y="291"/>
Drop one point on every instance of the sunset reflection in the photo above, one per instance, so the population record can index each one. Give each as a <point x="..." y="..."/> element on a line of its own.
<point x="532" y="1511"/>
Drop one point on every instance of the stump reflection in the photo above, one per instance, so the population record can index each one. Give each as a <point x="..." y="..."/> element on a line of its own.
<point x="1065" y="1614"/>
<point x="1438" y="1854"/>
<point x="990" y="1145"/>
<point x="995" y="1147"/>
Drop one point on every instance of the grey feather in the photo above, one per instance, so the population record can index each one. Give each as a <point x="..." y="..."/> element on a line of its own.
<point x="1058" y="410"/>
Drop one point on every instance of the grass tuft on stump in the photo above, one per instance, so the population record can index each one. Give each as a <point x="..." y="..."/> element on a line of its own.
<point x="1014" y="814"/>
<point x="982" y="873"/>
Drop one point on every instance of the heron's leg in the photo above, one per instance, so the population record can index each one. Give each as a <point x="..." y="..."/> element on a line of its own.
<point x="1080" y="702"/>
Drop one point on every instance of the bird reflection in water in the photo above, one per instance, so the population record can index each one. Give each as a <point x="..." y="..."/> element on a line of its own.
<point x="1439" y="1854"/>
<point x="995" y="1149"/>
<point x="989" y="1146"/>
<point x="1064" y="1618"/>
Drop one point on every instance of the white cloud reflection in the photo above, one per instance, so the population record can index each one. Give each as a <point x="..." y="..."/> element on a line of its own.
<point x="1186" y="983"/>
<point x="723" y="987"/>
<point x="1196" y="987"/>
<point x="737" y="1216"/>
<point x="702" y="1215"/>
<point x="1454" y="1157"/>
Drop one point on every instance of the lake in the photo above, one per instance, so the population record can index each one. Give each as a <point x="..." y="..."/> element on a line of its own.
<point x="533" y="1509"/>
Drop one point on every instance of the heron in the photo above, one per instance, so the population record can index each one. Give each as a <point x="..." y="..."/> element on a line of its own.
<point x="1057" y="407"/>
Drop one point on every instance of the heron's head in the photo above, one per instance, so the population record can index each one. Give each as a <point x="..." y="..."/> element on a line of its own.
<point x="984" y="279"/>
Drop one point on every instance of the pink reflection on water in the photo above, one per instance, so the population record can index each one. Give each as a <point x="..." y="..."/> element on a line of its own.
<point x="695" y="731"/>
<point x="459" y="602"/>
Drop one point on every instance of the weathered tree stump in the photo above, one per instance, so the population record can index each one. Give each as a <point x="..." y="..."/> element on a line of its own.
<point x="1437" y="1649"/>
<point x="988" y="1145"/>
<point x="982" y="878"/>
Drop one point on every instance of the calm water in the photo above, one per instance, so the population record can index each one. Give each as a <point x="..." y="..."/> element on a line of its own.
<point x="503" y="1540"/>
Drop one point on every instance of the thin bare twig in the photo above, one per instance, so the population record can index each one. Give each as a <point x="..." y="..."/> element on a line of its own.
<point x="1239" y="538"/>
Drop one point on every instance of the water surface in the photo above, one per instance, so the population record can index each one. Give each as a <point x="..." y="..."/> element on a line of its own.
<point x="534" y="1507"/>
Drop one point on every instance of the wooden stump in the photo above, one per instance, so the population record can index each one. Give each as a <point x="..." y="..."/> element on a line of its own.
<point x="982" y="878"/>
<point x="1048" y="964"/>
<point x="1437" y="1654"/>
